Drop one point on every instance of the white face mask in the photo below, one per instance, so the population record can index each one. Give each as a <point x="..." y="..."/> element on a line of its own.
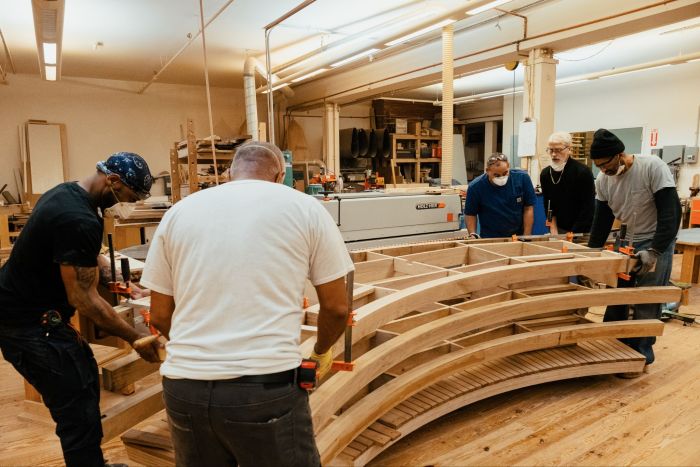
<point x="620" y="170"/>
<point x="558" y="166"/>
<point x="500" y="181"/>
<point x="119" y="210"/>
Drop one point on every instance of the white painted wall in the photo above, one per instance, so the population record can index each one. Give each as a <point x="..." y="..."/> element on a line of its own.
<point x="103" y="117"/>
<point x="351" y="116"/>
<point x="667" y="99"/>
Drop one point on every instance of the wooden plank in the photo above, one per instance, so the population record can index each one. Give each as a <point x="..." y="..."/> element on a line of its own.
<point x="446" y="258"/>
<point x="126" y="370"/>
<point x="126" y="414"/>
<point x="406" y="324"/>
<point x="377" y="437"/>
<point x="385" y="430"/>
<point x="145" y="438"/>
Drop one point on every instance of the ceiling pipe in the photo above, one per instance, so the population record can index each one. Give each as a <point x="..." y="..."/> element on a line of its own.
<point x="182" y="49"/>
<point x="455" y="14"/>
<point x="250" y="67"/>
<point x="316" y="102"/>
<point x="344" y="40"/>
<point x="587" y="77"/>
<point x="251" y="105"/>
<point x="270" y="101"/>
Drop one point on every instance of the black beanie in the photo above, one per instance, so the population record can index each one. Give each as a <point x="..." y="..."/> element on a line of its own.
<point x="605" y="144"/>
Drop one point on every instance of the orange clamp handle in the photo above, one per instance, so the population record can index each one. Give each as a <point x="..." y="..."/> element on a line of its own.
<point x="339" y="365"/>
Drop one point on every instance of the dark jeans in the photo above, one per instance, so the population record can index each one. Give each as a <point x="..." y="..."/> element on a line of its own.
<point x="660" y="276"/>
<point x="62" y="368"/>
<point x="216" y="423"/>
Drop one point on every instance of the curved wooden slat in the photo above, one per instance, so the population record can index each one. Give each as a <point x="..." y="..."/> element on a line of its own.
<point x="341" y="387"/>
<point x="610" y="365"/>
<point x="339" y="433"/>
<point x="388" y="308"/>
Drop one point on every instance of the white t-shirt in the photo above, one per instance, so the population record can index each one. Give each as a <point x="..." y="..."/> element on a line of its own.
<point x="631" y="195"/>
<point x="236" y="258"/>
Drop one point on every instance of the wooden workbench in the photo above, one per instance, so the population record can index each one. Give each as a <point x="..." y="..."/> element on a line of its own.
<point x="689" y="244"/>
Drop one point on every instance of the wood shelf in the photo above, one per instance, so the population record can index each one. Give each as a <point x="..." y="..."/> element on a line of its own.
<point x="411" y="165"/>
<point x="193" y="153"/>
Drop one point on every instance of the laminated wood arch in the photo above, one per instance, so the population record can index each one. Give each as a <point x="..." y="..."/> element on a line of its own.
<point x="515" y="372"/>
<point x="393" y="306"/>
<point x="348" y="425"/>
<point x="341" y="387"/>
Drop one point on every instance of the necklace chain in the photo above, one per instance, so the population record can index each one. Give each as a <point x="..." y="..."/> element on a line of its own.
<point x="552" y="176"/>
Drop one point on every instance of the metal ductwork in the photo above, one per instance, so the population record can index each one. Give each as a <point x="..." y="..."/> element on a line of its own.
<point x="251" y="66"/>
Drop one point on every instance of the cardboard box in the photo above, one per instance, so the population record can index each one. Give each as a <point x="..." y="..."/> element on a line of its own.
<point x="415" y="128"/>
<point x="401" y="126"/>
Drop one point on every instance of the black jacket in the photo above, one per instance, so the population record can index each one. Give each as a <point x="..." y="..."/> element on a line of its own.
<point x="572" y="196"/>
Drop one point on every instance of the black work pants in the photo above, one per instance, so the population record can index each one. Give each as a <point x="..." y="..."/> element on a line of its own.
<point x="62" y="368"/>
<point x="216" y="423"/>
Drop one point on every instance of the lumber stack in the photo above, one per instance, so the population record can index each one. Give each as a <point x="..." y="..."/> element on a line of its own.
<point x="442" y="325"/>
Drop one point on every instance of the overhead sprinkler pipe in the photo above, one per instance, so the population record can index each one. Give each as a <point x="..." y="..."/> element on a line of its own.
<point x="270" y="102"/>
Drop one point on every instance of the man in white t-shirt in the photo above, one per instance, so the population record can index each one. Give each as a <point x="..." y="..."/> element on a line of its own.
<point x="227" y="269"/>
<point x="640" y="192"/>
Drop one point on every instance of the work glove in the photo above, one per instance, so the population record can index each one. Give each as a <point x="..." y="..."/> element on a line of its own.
<point x="646" y="260"/>
<point x="324" y="361"/>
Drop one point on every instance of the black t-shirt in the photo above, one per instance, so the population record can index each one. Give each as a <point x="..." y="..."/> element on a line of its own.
<point x="572" y="196"/>
<point x="63" y="229"/>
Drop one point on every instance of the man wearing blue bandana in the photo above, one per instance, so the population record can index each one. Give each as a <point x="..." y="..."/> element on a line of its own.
<point x="51" y="272"/>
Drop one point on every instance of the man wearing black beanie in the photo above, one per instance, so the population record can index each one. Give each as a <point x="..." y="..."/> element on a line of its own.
<point x="640" y="192"/>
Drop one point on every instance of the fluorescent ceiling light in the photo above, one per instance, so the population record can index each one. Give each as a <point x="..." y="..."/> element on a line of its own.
<point x="354" y="57"/>
<point x="50" y="72"/>
<point x="49" y="53"/>
<point x="309" y="75"/>
<point x="275" y="88"/>
<point x="488" y="6"/>
<point x="420" y="32"/>
<point x="635" y="71"/>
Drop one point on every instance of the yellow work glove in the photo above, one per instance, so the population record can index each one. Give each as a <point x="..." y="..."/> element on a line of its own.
<point x="324" y="362"/>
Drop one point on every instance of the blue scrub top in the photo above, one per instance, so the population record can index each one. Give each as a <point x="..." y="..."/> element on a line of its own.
<point x="500" y="208"/>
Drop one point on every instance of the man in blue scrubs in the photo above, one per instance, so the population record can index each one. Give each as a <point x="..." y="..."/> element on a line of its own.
<point x="502" y="198"/>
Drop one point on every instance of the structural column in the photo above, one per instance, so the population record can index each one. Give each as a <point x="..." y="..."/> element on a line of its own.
<point x="538" y="103"/>
<point x="490" y="139"/>
<point x="447" y="105"/>
<point x="331" y="137"/>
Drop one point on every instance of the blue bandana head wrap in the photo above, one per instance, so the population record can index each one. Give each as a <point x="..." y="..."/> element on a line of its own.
<point x="132" y="170"/>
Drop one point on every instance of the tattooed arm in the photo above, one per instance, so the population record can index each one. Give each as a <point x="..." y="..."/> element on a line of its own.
<point x="80" y="284"/>
<point x="105" y="270"/>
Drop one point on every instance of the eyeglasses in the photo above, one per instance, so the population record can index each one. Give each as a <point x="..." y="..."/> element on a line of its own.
<point x="600" y="166"/>
<point x="551" y="151"/>
<point x="496" y="158"/>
